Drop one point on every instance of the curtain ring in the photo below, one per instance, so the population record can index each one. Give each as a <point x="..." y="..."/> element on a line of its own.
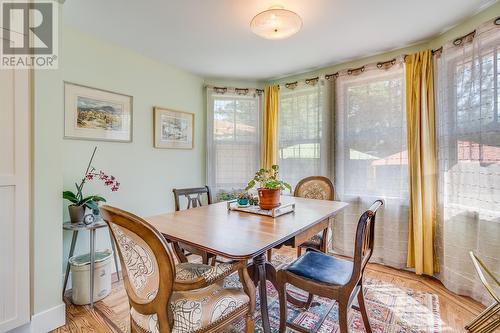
<point x="312" y="81"/>
<point x="220" y="90"/>
<point x="356" y="71"/>
<point x="241" y="91"/>
<point x="328" y="77"/>
<point x="291" y="85"/>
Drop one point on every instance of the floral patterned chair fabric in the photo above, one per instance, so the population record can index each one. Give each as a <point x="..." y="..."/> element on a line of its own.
<point x="164" y="297"/>
<point x="320" y="188"/>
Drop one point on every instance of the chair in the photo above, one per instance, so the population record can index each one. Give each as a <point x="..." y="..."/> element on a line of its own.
<point x="331" y="277"/>
<point x="166" y="298"/>
<point x="488" y="320"/>
<point x="194" y="199"/>
<point x="315" y="187"/>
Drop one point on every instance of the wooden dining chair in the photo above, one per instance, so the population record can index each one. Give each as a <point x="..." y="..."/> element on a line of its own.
<point x="165" y="297"/>
<point x="314" y="187"/>
<point x="488" y="320"/>
<point x="321" y="188"/>
<point x="194" y="198"/>
<point x="331" y="277"/>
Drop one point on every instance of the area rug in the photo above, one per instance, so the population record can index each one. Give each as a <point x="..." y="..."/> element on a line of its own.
<point x="391" y="309"/>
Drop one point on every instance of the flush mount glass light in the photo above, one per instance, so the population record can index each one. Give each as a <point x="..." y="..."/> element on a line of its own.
<point x="276" y="23"/>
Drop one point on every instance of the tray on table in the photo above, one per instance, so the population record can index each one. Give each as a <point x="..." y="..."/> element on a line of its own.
<point x="275" y="212"/>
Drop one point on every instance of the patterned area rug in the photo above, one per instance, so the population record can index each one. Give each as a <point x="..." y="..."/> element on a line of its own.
<point x="391" y="309"/>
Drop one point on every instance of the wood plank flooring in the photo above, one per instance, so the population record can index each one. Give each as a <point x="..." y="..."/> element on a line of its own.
<point x="455" y="310"/>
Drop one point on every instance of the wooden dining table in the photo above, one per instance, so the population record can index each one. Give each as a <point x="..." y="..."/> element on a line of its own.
<point x="245" y="236"/>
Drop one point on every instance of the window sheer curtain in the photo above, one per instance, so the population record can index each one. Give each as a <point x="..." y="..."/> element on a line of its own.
<point x="371" y="159"/>
<point x="233" y="139"/>
<point x="303" y="131"/>
<point x="468" y="113"/>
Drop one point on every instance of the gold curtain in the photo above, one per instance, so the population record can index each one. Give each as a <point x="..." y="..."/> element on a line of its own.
<point x="422" y="163"/>
<point x="270" y="141"/>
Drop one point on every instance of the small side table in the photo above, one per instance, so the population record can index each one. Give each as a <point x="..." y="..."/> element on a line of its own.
<point x="77" y="227"/>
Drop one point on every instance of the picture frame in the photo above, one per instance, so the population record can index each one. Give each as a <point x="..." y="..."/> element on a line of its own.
<point x="97" y="114"/>
<point x="173" y="129"/>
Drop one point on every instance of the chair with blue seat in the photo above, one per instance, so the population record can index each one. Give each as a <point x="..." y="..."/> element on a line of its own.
<point x="332" y="277"/>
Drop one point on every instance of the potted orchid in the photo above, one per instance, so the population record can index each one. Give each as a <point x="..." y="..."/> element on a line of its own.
<point x="270" y="187"/>
<point x="79" y="202"/>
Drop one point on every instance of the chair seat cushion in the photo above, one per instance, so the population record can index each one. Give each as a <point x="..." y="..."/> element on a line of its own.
<point x="322" y="268"/>
<point x="191" y="271"/>
<point x="196" y="309"/>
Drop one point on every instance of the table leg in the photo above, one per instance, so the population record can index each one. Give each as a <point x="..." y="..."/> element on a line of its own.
<point x="71" y="251"/>
<point x="92" y="262"/>
<point x="114" y="254"/>
<point x="259" y="271"/>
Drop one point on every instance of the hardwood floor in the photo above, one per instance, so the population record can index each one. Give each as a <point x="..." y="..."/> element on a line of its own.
<point x="455" y="310"/>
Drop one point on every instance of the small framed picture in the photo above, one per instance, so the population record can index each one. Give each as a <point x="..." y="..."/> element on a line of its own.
<point x="96" y="114"/>
<point x="173" y="129"/>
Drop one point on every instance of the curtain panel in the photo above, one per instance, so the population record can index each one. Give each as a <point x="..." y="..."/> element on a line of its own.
<point x="468" y="119"/>
<point x="371" y="158"/>
<point x="270" y="133"/>
<point x="233" y="139"/>
<point x="421" y="128"/>
<point x="304" y="131"/>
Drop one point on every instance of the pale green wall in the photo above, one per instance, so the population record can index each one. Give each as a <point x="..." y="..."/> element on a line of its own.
<point x="46" y="233"/>
<point x="147" y="175"/>
<point x="460" y="29"/>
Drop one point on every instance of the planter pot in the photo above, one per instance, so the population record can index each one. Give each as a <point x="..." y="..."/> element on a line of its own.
<point x="76" y="213"/>
<point x="243" y="202"/>
<point x="269" y="199"/>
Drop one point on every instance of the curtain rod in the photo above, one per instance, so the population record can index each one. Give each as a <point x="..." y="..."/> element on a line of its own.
<point x="238" y="91"/>
<point x="389" y="63"/>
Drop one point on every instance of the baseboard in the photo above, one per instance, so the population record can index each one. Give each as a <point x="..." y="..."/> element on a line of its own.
<point x="44" y="321"/>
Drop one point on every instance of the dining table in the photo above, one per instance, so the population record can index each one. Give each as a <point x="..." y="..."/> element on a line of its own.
<point x="247" y="236"/>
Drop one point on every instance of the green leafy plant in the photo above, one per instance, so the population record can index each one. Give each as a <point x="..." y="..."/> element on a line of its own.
<point x="268" y="178"/>
<point x="92" y="201"/>
<point x="244" y="195"/>
<point x="227" y="195"/>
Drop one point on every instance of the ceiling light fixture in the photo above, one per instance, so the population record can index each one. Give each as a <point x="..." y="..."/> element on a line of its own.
<point x="276" y="23"/>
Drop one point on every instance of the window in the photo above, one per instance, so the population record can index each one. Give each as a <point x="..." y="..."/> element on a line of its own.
<point x="468" y="79"/>
<point x="233" y="150"/>
<point x="469" y="125"/>
<point x="372" y="136"/>
<point x="371" y="159"/>
<point x="303" y="134"/>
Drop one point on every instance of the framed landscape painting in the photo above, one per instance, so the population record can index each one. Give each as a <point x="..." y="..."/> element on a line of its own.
<point x="173" y="129"/>
<point x="95" y="114"/>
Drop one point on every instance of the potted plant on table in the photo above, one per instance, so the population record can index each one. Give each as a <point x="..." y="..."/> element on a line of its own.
<point x="244" y="198"/>
<point x="79" y="202"/>
<point x="270" y="187"/>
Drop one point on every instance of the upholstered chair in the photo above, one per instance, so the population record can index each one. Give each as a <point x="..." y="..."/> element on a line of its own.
<point x="321" y="188"/>
<point x="332" y="277"/>
<point x="165" y="297"/>
<point x="194" y="199"/>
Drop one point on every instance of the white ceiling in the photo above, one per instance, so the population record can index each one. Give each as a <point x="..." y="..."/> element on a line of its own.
<point x="212" y="38"/>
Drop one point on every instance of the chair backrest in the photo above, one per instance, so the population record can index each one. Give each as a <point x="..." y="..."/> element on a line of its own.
<point x="147" y="263"/>
<point x="193" y="196"/>
<point x="363" y="247"/>
<point x="480" y="269"/>
<point x="315" y="187"/>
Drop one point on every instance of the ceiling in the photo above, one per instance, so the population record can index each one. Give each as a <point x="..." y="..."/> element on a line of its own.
<point x="212" y="38"/>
